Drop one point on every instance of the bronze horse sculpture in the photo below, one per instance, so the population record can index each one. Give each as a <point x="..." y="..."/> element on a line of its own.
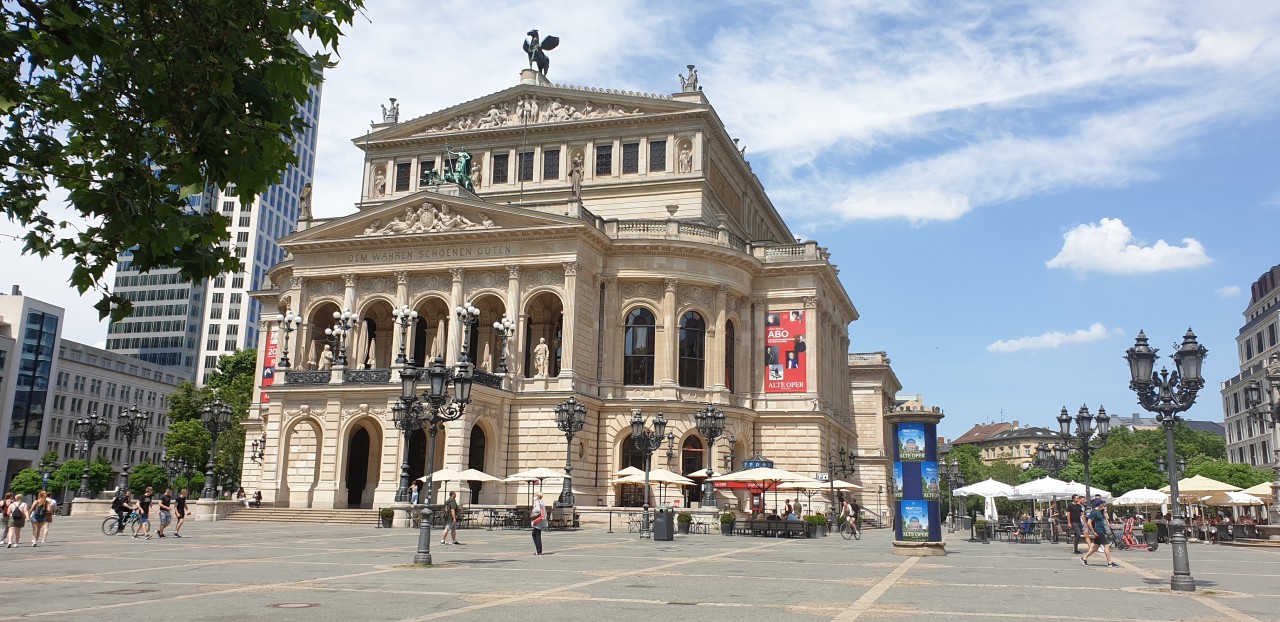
<point x="461" y="173"/>
<point x="537" y="51"/>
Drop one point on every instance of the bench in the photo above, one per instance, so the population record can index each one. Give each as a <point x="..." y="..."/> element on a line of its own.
<point x="770" y="528"/>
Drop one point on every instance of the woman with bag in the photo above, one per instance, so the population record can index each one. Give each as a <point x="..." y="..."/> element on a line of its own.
<point x="39" y="517"/>
<point x="4" y="519"/>
<point x="17" y="520"/>
<point x="539" y="514"/>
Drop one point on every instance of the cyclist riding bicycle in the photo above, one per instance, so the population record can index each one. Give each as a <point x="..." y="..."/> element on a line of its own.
<point x="122" y="506"/>
<point x="849" y="514"/>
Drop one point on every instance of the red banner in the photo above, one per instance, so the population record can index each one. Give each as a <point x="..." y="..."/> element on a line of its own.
<point x="784" y="352"/>
<point x="269" y="366"/>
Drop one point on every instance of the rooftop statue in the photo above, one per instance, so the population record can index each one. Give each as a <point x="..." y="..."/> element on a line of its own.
<point x="537" y="51"/>
<point x="461" y="173"/>
<point x="392" y="114"/>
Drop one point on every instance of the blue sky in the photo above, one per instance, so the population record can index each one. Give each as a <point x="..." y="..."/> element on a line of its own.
<point x="1010" y="193"/>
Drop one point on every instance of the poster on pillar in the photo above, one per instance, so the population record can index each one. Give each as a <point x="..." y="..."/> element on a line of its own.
<point x="915" y="474"/>
<point x="785" y="359"/>
<point x="269" y="367"/>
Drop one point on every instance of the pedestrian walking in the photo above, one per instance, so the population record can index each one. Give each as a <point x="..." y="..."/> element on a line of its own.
<point x="166" y="511"/>
<point x="539" y="514"/>
<point x="1097" y="523"/>
<point x="17" y="520"/>
<point x="4" y="519"/>
<point x="48" y="522"/>
<point x="143" y="507"/>
<point x="450" y="519"/>
<point x="180" y="505"/>
<point x="1075" y="520"/>
<point x="39" y="514"/>
<point x="413" y="493"/>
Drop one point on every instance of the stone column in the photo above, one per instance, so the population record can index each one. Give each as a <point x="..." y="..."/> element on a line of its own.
<point x="349" y="292"/>
<point x="455" y="326"/>
<point x="567" y="339"/>
<point x="813" y="346"/>
<point x="612" y="333"/>
<point x="668" y="333"/>
<point x="515" y="343"/>
<point x="402" y="299"/>
<point x="715" y="341"/>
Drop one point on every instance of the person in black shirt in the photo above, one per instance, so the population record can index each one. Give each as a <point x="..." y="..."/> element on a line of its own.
<point x="166" y="510"/>
<point x="180" y="505"/>
<point x="122" y="505"/>
<point x="144" y="508"/>
<point x="1075" y="521"/>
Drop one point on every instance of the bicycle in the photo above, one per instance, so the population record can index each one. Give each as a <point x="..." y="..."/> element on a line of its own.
<point x="849" y="530"/>
<point x="111" y="526"/>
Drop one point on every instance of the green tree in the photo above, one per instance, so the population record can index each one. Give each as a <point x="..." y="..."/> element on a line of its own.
<point x="186" y="401"/>
<point x="147" y="474"/>
<point x="1120" y="475"/>
<point x="102" y="475"/>
<point x="233" y="382"/>
<point x="67" y="476"/>
<point x="132" y="107"/>
<point x="26" y="482"/>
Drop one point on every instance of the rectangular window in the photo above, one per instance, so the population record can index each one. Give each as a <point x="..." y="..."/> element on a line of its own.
<point x="524" y="166"/>
<point x="657" y="155"/>
<point x="604" y="160"/>
<point x="500" y="163"/>
<point x="551" y="166"/>
<point x="402" y="175"/>
<point x="1271" y="336"/>
<point x="424" y="171"/>
<point x="630" y="158"/>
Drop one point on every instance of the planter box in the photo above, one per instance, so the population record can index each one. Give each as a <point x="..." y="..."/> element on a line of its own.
<point x="682" y="529"/>
<point x="726" y="529"/>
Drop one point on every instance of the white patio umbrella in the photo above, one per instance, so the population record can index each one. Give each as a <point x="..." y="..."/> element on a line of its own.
<point x="1079" y="489"/>
<point x="1142" y="496"/>
<point x="1200" y="486"/>
<point x="986" y="488"/>
<point x="534" y="475"/>
<point x="1261" y="491"/>
<point x="701" y="473"/>
<point x="1043" y="489"/>
<point x="1232" y="498"/>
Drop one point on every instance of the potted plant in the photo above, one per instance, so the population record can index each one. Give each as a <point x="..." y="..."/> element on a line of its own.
<point x="683" y="520"/>
<point x="384" y="517"/>
<point x="727" y="520"/>
<point x="1149" y="537"/>
<point x="815" y="525"/>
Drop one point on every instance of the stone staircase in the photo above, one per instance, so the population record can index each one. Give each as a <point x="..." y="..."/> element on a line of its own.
<point x="305" y="515"/>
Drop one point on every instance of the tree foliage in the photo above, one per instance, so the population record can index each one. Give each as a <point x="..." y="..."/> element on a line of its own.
<point x="147" y="474"/>
<point x="233" y="381"/>
<point x="131" y="107"/>
<point x="27" y="482"/>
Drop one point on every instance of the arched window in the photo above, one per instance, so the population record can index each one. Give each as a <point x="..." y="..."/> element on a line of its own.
<point x="693" y="332"/>
<point x="728" y="355"/>
<point x="691" y="455"/>
<point x="637" y="362"/>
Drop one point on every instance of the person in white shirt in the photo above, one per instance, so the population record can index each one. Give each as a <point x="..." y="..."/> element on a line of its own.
<point x="539" y="521"/>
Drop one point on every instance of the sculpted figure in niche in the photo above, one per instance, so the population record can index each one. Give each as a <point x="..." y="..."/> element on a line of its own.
<point x="575" y="175"/>
<point x="304" y="203"/>
<point x="476" y="175"/>
<point x="311" y="360"/>
<point x="380" y="184"/>
<point x="326" y="358"/>
<point x="541" y="358"/>
<point x="686" y="158"/>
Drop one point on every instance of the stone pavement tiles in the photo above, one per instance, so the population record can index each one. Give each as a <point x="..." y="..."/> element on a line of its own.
<point x="232" y="570"/>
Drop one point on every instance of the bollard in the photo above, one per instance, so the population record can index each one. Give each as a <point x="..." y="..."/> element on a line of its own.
<point x="423" y="557"/>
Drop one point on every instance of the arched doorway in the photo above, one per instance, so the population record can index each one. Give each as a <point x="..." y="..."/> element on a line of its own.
<point x="312" y="345"/>
<point x="475" y="459"/>
<point x="357" y="467"/>
<point x="631" y="495"/>
<point x="431" y="332"/>
<point x="692" y="456"/>
<point x="417" y="454"/>
<point x="371" y="342"/>
<point x="544" y="319"/>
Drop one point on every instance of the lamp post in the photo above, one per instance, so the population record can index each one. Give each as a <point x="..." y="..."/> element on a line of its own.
<point x="287" y="325"/>
<point x="216" y="418"/>
<point x="731" y="442"/>
<point x="1086" y="434"/>
<point x="130" y="425"/>
<point x="710" y="421"/>
<point x="343" y="322"/>
<point x="1179" y="469"/>
<point x="671" y="456"/>
<point x="404" y="317"/>
<point x="570" y="417"/>
<point x="408" y="418"/>
<point x="1053" y="459"/>
<point x="504" y="328"/>
<point x="1167" y="395"/>
<point x="435" y="407"/>
<point x="173" y="466"/>
<point x="836" y="470"/>
<point x="257" y="448"/>
<point x="951" y="476"/>
<point x="90" y="429"/>
<point x="647" y="441"/>
<point x="1268" y="413"/>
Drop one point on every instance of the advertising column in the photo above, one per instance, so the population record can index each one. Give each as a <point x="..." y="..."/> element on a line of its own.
<point x="917" y="516"/>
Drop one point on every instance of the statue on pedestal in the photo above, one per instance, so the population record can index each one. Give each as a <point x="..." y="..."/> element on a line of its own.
<point x="541" y="358"/>
<point x="537" y="50"/>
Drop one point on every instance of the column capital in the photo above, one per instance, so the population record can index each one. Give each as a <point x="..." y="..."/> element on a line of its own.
<point x="671" y="284"/>
<point x="810" y="302"/>
<point x="513" y="271"/>
<point x="570" y="268"/>
<point x="457" y="273"/>
<point x="349" y="279"/>
<point x="295" y="282"/>
<point x="722" y="290"/>
<point x="402" y="277"/>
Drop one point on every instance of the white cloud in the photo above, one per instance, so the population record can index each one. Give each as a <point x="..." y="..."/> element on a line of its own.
<point x="1230" y="291"/>
<point x="1108" y="246"/>
<point x="1055" y="339"/>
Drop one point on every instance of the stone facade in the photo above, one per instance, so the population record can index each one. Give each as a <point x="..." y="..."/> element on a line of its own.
<point x="664" y="234"/>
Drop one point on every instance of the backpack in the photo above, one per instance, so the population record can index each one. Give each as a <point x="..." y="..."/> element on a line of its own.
<point x="38" y="515"/>
<point x="15" y="512"/>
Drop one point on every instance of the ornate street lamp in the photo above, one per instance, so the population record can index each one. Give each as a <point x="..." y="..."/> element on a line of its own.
<point x="1167" y="395"/>
<point x="836" y="470"/>
<point x="730" y="442"/>
<point x="257" y="448"/>
<point x="570" y="417"/>
<point x="173" y="466"/>
<point x="1085" y="437"/>
<point x="710" y="421"/>
<point x="216" y="418"/>
<point x="1053" y="459"/>
<point x="647" y="441"/>
<point x="505" y="328"/>
<point x="404" y="317"/>
<point x="1181" y="468"/>
<point x="344" y="322"/>
<point x="289" y="324"/>
<point x="1268" y="413"/>
<point x="130" y="425"/>
<point x="408" y="418"/>
<point x="953" y="478"/>
<point x="435" y="407"/>
<point x="90" y="429"/>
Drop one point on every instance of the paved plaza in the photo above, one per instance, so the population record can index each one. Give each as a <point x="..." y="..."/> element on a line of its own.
<point x="236" y="570"/>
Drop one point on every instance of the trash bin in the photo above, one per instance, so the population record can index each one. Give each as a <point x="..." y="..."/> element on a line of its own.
<point x="966" y="523"/>
<point x="664" y="524"/>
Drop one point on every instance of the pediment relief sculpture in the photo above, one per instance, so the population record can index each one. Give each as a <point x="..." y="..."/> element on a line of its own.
<point x="531" y="110"/>
<point x="428" y="218"/>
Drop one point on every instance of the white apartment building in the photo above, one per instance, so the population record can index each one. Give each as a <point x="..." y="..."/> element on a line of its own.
<point x="30" y="331"/>
<point x="1247" y="441"/>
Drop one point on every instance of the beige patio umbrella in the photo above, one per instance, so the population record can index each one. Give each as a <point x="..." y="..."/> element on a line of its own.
<point x="535" y="475"/>
<point x="628" y="471"/>
<point x="702" y="473"/>
<point x="656" y="476"/>
<point x="1261" y="491"/>
<point x="1200" y="486"/>
<point x="808" y="488"/>
<point x="474" y="475"/>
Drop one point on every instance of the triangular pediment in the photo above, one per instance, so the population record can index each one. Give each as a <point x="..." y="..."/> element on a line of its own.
<point x="529" y="105"/>
<point x="431" y="213"/>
